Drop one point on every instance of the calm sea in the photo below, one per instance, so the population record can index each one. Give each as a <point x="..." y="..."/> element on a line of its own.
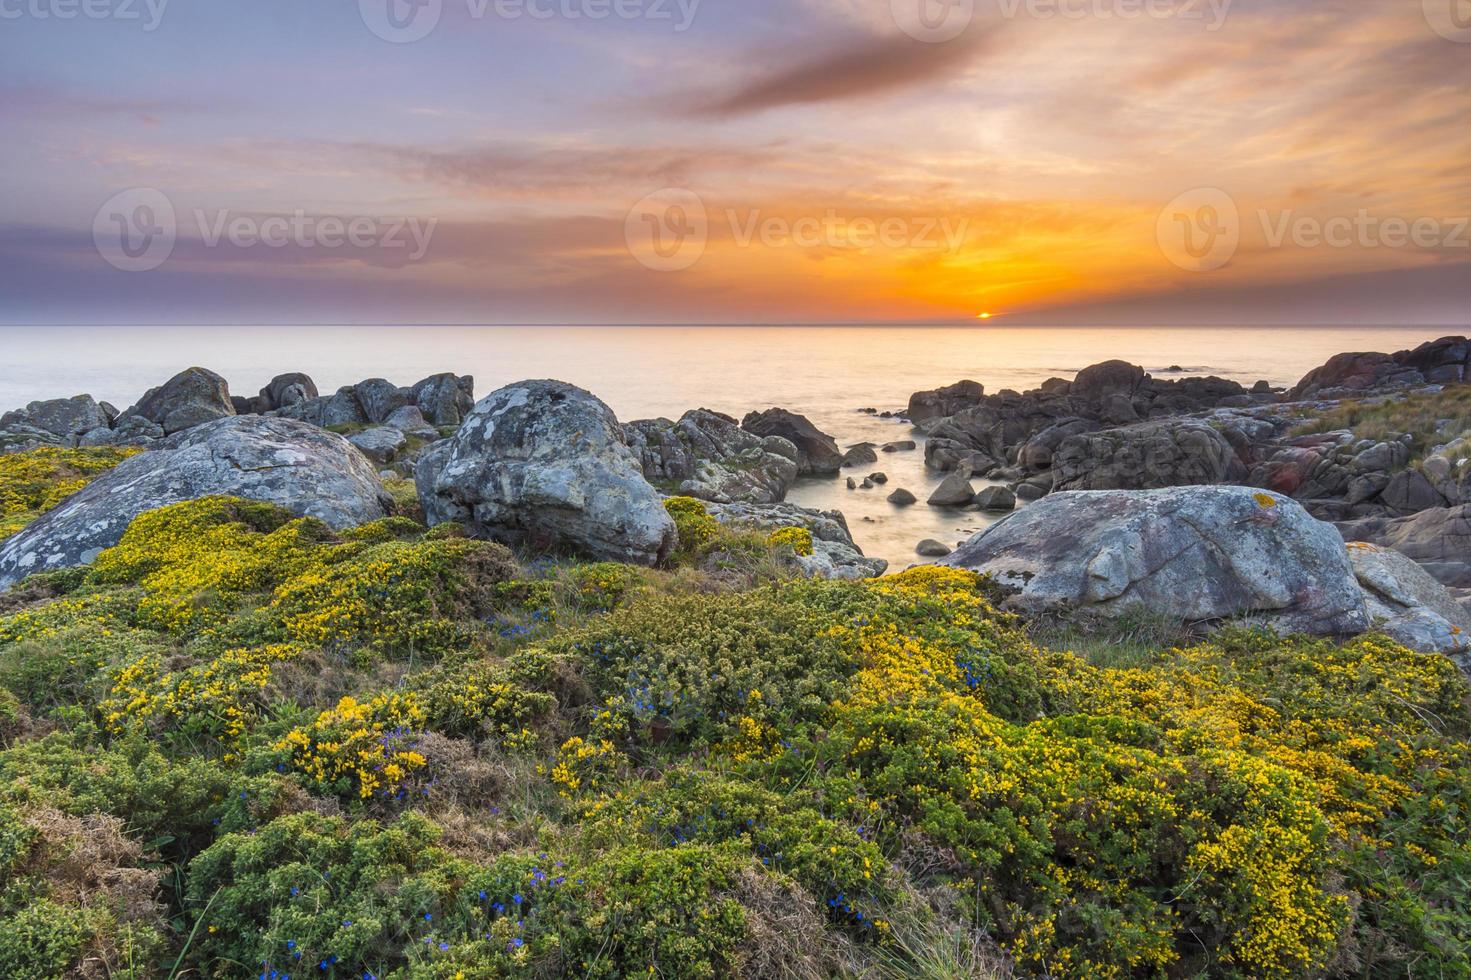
<point x="826" y="373"/>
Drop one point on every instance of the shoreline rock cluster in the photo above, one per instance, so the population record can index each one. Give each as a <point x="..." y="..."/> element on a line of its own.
<point x="1196" y="498"/>
<point x="539" y="464"/>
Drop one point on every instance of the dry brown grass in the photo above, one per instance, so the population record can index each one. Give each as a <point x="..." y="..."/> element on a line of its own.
<point x="1430" y="419"/>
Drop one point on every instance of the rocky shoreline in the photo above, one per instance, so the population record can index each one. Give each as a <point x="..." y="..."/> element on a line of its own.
<point x="547" y="466"/>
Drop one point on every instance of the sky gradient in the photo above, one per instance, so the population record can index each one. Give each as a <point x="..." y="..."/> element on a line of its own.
<point x="826" y="165"/>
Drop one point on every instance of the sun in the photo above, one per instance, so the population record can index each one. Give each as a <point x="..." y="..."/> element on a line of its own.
<point x="984" y="316"/>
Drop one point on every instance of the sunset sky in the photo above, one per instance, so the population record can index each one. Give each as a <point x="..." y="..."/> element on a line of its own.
<point x="1046" y="148"/>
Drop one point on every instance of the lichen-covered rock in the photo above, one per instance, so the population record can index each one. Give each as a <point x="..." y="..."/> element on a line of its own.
<point x="1406" y="603"/>
<point x="1439" y="539"/>
<point x="834" y="553"/>
<point x="817" y="452"/>
<point x="192" y="397"/>
<point x="442" y="400"/>
<point x="298" y="466"/>
<point x="1189" y="553"/>
<point x="381" y="444"/>
<point x="708" y="456"/>
<point x="54" y="421"/>
<point x="544" y="464"/>
<point x="445" y="399"/>
<point x="1146" y="456"/>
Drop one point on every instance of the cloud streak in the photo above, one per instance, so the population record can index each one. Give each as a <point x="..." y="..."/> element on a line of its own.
<point x="863" y="68"/>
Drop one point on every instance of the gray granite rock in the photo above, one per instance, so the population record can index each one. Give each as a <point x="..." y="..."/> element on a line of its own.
<point x="1190" y="553"/>
<point x="544" y="464"/>
<point x="299" y="466"/>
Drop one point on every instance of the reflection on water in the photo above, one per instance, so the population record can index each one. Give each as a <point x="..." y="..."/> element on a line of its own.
<point x="826" y="373"/>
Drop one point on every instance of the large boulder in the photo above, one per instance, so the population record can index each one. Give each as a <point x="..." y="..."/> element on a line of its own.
<point x="56" y="421"/>
<point x="834" y="554"/>
<point x="1193" y="554"/>
<point x="1145" y="456"/>
<point x="1099" y="381"/>
<point x="817" y="452"/>
<point x="287" y="389"/>
<point x="191" y="397"/>
<point x="1406" y="603"/>
<point x="445" y="399"/>
<point x="1443" y="361"/>
<point x="298" y="466"/>
<point x="944" y="402"/>
<point x="283" y="391"/>
<point x="544" y="464"/>
<point x="708" y="455"/>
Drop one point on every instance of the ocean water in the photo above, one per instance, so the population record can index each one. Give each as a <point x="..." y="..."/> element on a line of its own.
<point x="825" y="373"/>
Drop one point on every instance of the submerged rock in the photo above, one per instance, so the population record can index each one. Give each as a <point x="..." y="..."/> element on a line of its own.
<point x="544" y="464"/>
<point x="930" y="548"/>
<point x="1191" y="554"/>
<point x="298" y="466"/>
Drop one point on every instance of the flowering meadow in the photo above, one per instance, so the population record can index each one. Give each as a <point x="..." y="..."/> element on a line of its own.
<point x="241" y="744"/>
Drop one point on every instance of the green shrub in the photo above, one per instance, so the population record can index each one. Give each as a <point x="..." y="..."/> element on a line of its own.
<point x="698" y="663"/>
<point x="696" y="527"/>
<point x="43" y="940"/>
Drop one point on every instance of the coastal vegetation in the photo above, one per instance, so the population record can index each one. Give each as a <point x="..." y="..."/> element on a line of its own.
<point x="1429" y="418"/>
<point x="243" y="744"/>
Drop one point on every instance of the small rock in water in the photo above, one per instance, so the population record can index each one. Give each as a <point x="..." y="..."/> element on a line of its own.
<point x="852" y="483"/>
<point x="996" y="499"/>
<point x="859" y="455"/>
<point x="867" y="484"/>
<point x="930" y="548"/>
<point x="903" y="445"/>
<point x="954" y="491"/>
<point x="879" y="477"/>
<point x="1028" y="492"/>
<point x="902" y="498"/>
